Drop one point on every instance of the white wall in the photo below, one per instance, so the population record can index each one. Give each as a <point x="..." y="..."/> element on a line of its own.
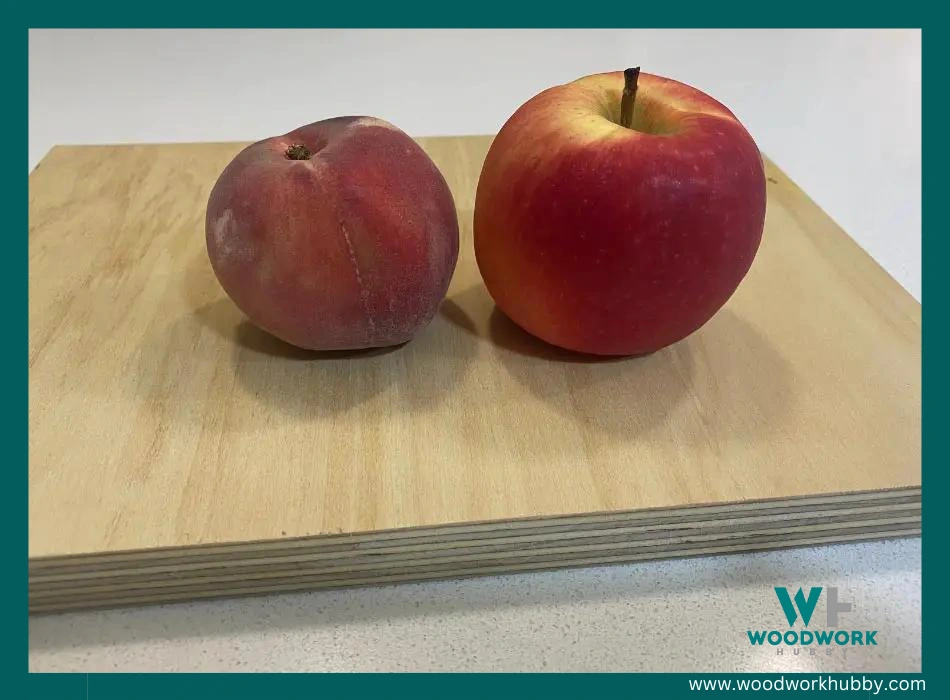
<point x="839" y="110"/>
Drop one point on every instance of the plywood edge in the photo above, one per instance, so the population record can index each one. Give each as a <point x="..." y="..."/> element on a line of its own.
<point x="66" y="603"/>
<point x="553" y="556"/>
<point x="425" y="560"/>
<point x="416" y="547"/>
<point x="909" y="493"/>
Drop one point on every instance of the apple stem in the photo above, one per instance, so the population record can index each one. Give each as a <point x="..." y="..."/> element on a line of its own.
<point x="298" y="152"/>
<point x="630" y="77"/>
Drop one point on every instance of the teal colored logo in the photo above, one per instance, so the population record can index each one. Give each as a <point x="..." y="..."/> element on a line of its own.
<point x="802" y="607"/>
<point x="806" y="606"/>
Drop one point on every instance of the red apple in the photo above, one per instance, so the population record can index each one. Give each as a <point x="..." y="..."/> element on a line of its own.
<point x="339" y="235"/>
<point x="612" y="239"/>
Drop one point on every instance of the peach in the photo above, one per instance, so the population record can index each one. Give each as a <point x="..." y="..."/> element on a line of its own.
<point x="339" y="235"/>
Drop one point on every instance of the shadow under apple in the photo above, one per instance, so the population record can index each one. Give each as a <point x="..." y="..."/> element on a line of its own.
<point x="716" y="374"/>
<point x="712" y="380"/>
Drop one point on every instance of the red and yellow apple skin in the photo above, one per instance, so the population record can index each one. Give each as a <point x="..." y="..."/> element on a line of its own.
<point x="611" y="240"/>
<point x="352" y="248"/>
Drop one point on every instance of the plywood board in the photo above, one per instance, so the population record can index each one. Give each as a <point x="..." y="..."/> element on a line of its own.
<point x="162" y="424"/>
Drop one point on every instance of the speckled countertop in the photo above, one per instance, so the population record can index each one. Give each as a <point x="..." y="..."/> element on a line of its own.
<point x="679" y="615"/>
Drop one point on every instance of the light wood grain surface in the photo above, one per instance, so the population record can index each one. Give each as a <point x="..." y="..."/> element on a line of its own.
<point x="160" y="418"/>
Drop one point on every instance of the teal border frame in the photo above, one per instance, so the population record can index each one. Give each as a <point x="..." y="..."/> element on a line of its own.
<point x="486" y="14"/>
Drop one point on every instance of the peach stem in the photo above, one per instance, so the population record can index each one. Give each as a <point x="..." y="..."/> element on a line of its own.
<point x="629" y="95"/>
<point x="298" y="152"/>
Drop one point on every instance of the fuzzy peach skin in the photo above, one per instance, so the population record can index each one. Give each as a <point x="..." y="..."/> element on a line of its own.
<point x="351" y="248"/>
<point x="612" y="240"/>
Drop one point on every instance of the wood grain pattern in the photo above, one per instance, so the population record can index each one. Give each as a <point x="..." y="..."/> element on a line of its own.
<point x="159" y="418"/>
